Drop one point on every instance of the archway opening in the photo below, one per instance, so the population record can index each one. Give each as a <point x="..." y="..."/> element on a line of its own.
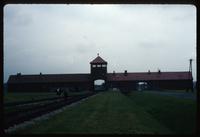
<point x="99" y="85"/>
<point x="142" y="86"/>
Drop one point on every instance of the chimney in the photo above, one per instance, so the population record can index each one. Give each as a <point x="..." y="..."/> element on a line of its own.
<point x="125" y="73"/>
<point x="159" y="72"/>
<point x="18" y="74"/>
<point x="149" y="72"/>
<point x="113" y="73"/>
<point x="40" y="73"/>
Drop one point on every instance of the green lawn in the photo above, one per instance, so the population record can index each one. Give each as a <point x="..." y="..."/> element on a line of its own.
<point x="28" y="96"/>
<point x="177" y="91"/>
<point x="114" y="113"/>
<point x="179" y="115"/>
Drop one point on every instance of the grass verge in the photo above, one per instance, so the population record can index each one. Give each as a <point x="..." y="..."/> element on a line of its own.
<point x="178" y="114"/>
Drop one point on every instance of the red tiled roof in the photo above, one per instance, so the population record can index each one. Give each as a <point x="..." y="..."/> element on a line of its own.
<point x="98" y="60"/>
<point x="59" y="78"/>
<point x="49" y="78"/>
<point x="152" y="76"/>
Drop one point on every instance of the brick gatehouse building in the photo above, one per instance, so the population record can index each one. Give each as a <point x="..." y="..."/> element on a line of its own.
<point x="124" y="81"/>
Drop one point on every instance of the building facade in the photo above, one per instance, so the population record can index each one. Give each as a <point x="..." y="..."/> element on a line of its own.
<point x="125" y="81"/>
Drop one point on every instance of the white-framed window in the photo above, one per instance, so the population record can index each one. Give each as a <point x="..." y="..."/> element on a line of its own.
<point x="98" y="66"/>
<point x="104" y="65"/>
<point x="94" y="66"/>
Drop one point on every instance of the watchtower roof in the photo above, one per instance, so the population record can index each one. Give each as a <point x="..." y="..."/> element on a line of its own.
<point x="97" y="60"/>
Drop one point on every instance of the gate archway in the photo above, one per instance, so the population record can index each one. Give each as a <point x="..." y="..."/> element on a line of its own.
<point x="99" y="85"/>
<point x="142" y="85"/>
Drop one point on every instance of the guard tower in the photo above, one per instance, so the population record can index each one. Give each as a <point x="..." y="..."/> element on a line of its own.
<point x="98" y="69"/>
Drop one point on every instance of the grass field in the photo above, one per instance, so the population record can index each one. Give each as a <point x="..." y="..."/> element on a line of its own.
<point x="179" y="115"/>
<point x="178" y="91"/>
<point x="114" y="113"/>
<point x="27" y="96"/>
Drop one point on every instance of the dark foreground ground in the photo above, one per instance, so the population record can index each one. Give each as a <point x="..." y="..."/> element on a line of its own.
<point x="112" y="112"/>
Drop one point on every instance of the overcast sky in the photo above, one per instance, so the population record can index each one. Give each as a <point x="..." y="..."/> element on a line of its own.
<point x="60" y="39"/>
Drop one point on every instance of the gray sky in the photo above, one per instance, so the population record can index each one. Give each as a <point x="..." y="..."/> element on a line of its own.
<point x="56" y="39"/>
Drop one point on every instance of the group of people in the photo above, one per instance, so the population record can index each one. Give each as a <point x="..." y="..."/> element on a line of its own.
<point x="62" y="92"/>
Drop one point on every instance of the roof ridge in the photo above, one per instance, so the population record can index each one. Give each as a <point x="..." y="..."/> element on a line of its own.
<point x="98" y="59"/>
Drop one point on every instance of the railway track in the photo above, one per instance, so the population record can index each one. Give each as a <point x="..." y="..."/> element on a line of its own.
<point x="20" y="103"/>
<point x="21" y="113"/>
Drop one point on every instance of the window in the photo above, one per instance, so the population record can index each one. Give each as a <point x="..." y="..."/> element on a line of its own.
<point x="98" y="66"/>
<point x="103" y="65"/>
<point x="94" y="66"/>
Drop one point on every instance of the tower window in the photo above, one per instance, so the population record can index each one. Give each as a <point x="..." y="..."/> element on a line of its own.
<point x="98" y="66"/>
<point x="94" y="66"/>
<point x="103" y="65"/>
